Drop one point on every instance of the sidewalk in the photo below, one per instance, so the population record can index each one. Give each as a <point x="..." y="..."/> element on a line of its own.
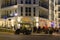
<point x="38" y="34"/>
<point x="7" y="33"/>
<point x="54" y="34"/>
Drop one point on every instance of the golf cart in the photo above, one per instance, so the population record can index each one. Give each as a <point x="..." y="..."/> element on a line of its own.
<point x="25" y="28"/>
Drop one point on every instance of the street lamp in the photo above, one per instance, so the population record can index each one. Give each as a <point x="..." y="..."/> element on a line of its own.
<point x="15" y="14"/>
<point x="5" y="17"/>
<point x="16" y="17"/>
<point x="37" y="21"/>
<point x="12" y="23"/>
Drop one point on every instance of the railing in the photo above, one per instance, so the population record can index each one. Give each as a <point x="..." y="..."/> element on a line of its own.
<point x="8" y="5"/>
<point x="45" y="5"/>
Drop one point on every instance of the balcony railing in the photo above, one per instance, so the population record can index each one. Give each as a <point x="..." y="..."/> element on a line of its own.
<point x="8" y="5"/>
<point x="45" y="5"/>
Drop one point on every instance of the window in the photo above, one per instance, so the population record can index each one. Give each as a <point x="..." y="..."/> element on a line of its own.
<point x="21" y="11"/>
<point x="21" y="1"/>
<point x="39" y="13"/>
<point x="16" y="10"/>
<point x="59" y="2"/>
<point x="34" y="1"/>
<point x="39" y="3"/>
<point x="28" y="11"/>
<point x="7" y="14"/>
<point x="10" y="11"/>
<point x="8" y="3"/>
<point x="52" y="0"/>
<point x="34" y="10"/>
<point x="58" y="8"/>
<point x="15" y="2"/>
<point x="27" y="1"/>
<point x="59" y="15"/>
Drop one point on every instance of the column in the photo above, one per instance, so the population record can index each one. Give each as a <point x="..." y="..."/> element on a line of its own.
<point x="18" y="1"/>
<point x="19" y="10"/>
<point x="37" y="21"/>
<point x="23" y="1"/>
<point x="55" y="16"/>
<point x="0" y="13"/>
<point x="49" y="9"/>
<point x="36" y="11"/>
<point x="24" y="11"/>
<point x="56" y="13"/>
<point x="32" y="2"/>
<point x="37" y="2"/>
<point x="1" y="3"/>
<point x="32" y="12"/>
<point x="19" y="21"/>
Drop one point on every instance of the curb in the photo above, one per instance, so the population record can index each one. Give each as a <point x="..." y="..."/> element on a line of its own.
<point x="6" y="33"/>
<point x="41" y="34"/>
<point x="55" y="34"/>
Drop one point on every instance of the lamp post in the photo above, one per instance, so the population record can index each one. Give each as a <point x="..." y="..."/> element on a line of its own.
<point x="37" y="22"/>
<point x="16" y="16"/>
<point x="5" y="17"/>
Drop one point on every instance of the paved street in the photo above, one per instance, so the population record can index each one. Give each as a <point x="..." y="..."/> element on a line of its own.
<point x="28" y="37"/>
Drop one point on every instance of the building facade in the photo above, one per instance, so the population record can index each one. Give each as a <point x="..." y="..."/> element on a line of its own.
<point x="7" y="9"/>
<point x="28" y="7"/>
<point x="18" y="10"/>
<point x="54" y="11"/>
